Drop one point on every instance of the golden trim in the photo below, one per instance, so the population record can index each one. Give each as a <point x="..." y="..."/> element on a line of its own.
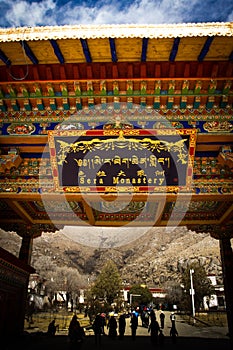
<point x="117" y="31"/>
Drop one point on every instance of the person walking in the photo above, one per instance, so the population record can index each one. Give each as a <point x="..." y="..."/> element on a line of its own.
<point x="153" y="329"/>
<point x="121" y="326"/>
<point x="112" y="326"/>
<point x="98" y="329"/>
<point x="173" y="318"/>
<point x="134" y="325"/>
<point x="162" y="317"/>
<point x="173" y="333"/>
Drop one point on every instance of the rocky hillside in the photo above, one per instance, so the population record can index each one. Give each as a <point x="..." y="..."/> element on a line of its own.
<point x="156" y="258"/>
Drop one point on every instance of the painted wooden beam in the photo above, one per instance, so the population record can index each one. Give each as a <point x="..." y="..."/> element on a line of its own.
<point x="205" y="48"/>
<point x="29" y="52"/>
<point x="231" y="56"/>
<point x="144" y="49"/>
<point x="4" y="58"/>
<point x="113" y="49"/>
<point x="57" y="51"/>
<point x="174" y="49"/>
<point x="86" y="50"/>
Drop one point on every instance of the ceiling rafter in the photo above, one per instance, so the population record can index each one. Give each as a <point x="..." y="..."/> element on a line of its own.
<point x="4" y="58"/>
<point x="113" y="49"/>
<point x="29" y="52"/>
<point x="174" y="49"/>
<point x="144" y="49"/>
<point x="86" y="50"/>
<point x="231" y="56"/>
<point x="205" y="48"/>
<point x="57" y="51"/>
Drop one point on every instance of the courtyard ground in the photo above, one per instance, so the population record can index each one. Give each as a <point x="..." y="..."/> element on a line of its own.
<point x="190" y="337"/>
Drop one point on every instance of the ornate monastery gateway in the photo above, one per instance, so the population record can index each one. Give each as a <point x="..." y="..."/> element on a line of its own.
<point x="92" y="114"/>
<point x="99" y="83"/>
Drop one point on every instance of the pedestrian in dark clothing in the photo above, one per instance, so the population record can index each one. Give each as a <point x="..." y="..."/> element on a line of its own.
<point x="76" y="333"/>
<point x="134" y="325"/>
<point x="145" y="317"/>
<point x="162" y="317"/>
<point x="121" y="326"/>
<point x="173" y="333"/>
<point x="152" y="314"/>
<point x="173" y="318"/>
<point x="52" y="328"/>
<point x="153" y="329"/>
<point x="103" y="317"/>
<point x="112" y="326"/>
<point x="98" y="329"/>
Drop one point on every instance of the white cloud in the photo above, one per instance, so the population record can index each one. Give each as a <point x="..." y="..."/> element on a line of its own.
<point x="24" y="13"/>
<point x="141" y="12"/>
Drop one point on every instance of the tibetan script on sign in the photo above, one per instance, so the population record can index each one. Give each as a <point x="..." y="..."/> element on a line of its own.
<point x="119" y="160"/>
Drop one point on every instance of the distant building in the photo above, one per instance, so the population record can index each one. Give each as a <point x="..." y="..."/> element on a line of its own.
<point x="217" y="300"/>
<point x="158" y="294"/>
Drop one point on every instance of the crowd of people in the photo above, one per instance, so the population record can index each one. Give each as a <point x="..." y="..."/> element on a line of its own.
<point x="114" y="326"/>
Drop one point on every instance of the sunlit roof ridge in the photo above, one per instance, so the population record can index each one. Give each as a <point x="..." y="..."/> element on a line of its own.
<point x="117" y="31"/>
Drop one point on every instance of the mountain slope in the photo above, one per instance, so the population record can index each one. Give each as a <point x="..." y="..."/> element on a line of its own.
<point x="155" y="258"/>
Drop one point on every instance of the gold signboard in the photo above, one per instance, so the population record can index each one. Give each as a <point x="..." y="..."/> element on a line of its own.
<point x="118" y="160"/>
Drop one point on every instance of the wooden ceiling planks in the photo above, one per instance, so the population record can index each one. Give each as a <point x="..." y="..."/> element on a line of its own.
<point x="100" y="50"/>
<point x="72" y="50"/>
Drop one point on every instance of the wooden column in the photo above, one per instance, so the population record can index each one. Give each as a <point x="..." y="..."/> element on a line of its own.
<point x="25" y="252"/>
<point x="227" y="268"/>
<point x="14" y="276"/>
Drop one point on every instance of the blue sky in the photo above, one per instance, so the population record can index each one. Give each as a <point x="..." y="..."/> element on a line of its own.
<point x="17" y="13"/>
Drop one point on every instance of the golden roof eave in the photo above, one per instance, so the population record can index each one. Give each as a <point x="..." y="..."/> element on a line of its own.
<point x="117" y="31"/>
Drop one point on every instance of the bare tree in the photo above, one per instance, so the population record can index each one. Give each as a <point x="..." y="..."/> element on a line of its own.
<point x="65" y="280"/>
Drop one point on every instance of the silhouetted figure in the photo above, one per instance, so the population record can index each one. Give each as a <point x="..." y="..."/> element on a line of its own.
<point x="134" y="325"/>
<point x="173" y="333"/>
<point x="152" y="313"/>
<point x="52" y="328"/>
<point x="76" y="333"/>
<point x="162" y="317"/>
<point x="98" y="329"/>
<point x="153" y="329"/>
<point x="145" y="317"/>
<point x="121" y="326"/>
<point x="30" y="309"/>
<point x="173" y="318"/>
<point x="103" y="317"/>
<point x="112" y="326"/>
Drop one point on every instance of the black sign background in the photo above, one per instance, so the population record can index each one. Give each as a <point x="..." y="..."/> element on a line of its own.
<point x="70" y="173"/>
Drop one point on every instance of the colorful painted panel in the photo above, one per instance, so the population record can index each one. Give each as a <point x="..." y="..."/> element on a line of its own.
<point x="144" y="212"/>
<point x="197" y="210"/>
<point x="21" y="129"/>
<point x="55" y="210"/>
